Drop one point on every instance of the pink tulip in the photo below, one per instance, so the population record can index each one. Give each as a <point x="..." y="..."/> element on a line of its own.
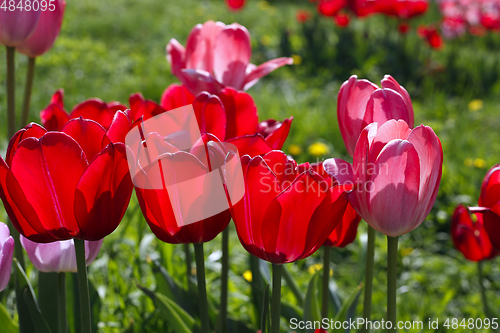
<point x="396" y="174"/>
<point x="6" y="253"/>
<point x="218" y="56"/>
<point x="16" y="26"/>
<point x="58" y="256"/>
<point x="361" y="102"/>
<point x="46" y="32"/>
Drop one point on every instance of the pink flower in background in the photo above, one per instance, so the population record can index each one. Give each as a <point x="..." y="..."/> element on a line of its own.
<point x="361" y="102"/>
<point x="217" y="56"/>
<point x="17" y="26"/>
<point x="46" y="32"/>
<point x="58" y="256"/>
<point x="6" y="254"/>
<point x="396" y="174"/>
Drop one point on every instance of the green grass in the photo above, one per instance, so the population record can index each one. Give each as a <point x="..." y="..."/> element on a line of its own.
<point x="114" y="48"/>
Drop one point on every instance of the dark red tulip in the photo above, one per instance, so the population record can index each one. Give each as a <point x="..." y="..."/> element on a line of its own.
<point x="403" y="28"/>
<point x="363" y="7"/>
<point x="470" y="237"/>
<point x="54" y="116"/>
<point x="287" y="211"/>
<point x="490" y="201"/>
<point x="163" y="206"/>
<point x="431" y="36"/>
<point x="69" y="184"/>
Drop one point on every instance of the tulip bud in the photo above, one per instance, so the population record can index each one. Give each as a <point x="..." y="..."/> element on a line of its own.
<point x="16" y="26"/>
<point x="6" y="253"/>
<point x="45" y="33"/>
<point x="59" y="256"/>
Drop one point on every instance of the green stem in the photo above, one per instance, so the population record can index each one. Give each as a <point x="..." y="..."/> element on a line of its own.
<point x="224" y="280"/>
<point x="257" y="285"/>
<point x="326" y="278"/>
<point x="202" y="287"/>
<point x="83" y="285"/>
<point x="27" y="91"/>
<point x="11" y="92"/>
<point x="370" y="261"/>
<point x="189" y="267"/>
<point x="486" y="308"/>
<point x="392" y="261"/>
<point x="276" y="299"/>
<point x="61" y="303"/>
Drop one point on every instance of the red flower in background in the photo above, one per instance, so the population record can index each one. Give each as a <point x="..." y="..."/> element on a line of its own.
<point x="235" y="5"/>
<point x="69" y="184"/>
<point x="233" y="110"/>
<point x="470" y="237"/>
<point x="331" y="7"/>
<point x="287" y="211"/>
<point x="303" y="15"/>
<point x="54" y="116"/>
<point x="341" y="20"/>
<point x="431" y="36"/>
<point x="217" y="56"/>
<point x="403" y="28"/>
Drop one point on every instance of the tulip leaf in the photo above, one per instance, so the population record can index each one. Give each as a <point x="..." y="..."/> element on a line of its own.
<point x="349" y="306"/>
<point x="178" y="318"/>
<point x="41" y="325"/>
<point x="26" y="324"/>
<point x="6" y="322"/>
<point x="312" y="309"/>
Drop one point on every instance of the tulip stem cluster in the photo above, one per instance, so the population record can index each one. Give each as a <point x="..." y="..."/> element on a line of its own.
<point x="202" y="286"/>
<point x="276" y="298"/>
<point x="326" y="277"/>
<point x="392" y="262"/>
<point x="224" y="280"/>
<point x="486" y="308"/>
<point x="83" y="285"/>
<point x="61" y="302"/>
<point x="27" y="91"/>
<point x="370" y="262"/>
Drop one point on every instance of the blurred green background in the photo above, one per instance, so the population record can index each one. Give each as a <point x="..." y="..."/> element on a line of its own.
<point x="110" y="49"/>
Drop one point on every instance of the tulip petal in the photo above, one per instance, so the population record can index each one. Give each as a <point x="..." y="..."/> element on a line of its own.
<point x="264" y="69"/>
<point x="54" y="117"/>
<point x="490" y="189"/>
<point x="200" y="45"/>
<point x="345" y="233"/>
<point x="88" y="134"/>
<point x="176" y="56"/>
<point x="283" y="166"/>
<point x="241" y="113"/>
<point x="210" y="115"/>
<point x="48" y="171"/>
<point x="31" y="130"/>
<point x="388" y="131"/>
<point x="175" y="96"/>
<point x="275" y="132"/>
<point x="119" y="127"/>
<point x="339" y="170"/>
<point x="197" y="81"/>
<point x="394" y="190"/>
<point x="103" y="193"/>
<point x="386" y="104"/>
<point x="232" y="52"/>
<point x="388" y="82"/>
<point x="252" y="145"/>
<point x="96" y="110"/>
<point x="16" y="26"/>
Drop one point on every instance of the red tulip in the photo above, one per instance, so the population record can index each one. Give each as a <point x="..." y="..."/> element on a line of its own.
<point x="396" y="174"/>
<point x="235" y="5"/>
<point x="46" y="31"/>
<point x="361" y="102"/>
<point x="341" y="20"/>
<point x="54" y="116"/>
<point x="287" y="211"/>
<point x="178" y="213"/>
<point x="17" y="26"/>
<point x="363" y="7"/>
<point x="64" y="185"/>
<point x="470" y="237"/>
<point x="302" y="15"/>
<point x="490" y="201"/>
<point x="235" y="111"/>
<point x="331" y="7"/>
<point x="404" y="28"/>
<point x="218" y="56"/>
<point x="431" y="36"/>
